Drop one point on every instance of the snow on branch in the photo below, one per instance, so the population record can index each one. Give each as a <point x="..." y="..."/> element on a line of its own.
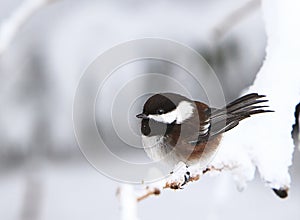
<point x="11" y="25"/>
<point x="176" y="181"/>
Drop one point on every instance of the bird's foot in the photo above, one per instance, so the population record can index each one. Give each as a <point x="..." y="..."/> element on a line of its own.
<point x="179" y="177"/>
<point x="180" y="182"/>
<point x="187" y="177"/>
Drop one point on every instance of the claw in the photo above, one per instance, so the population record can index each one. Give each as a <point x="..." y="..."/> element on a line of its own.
<point x="187" y="177"/>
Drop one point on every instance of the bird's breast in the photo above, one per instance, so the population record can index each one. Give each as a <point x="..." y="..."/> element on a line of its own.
<point x="155" y="147"/>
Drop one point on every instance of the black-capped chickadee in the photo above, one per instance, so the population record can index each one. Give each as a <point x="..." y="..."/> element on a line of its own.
<point x="176" y="129"/>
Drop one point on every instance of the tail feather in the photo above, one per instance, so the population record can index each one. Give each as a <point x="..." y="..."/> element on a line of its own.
<point x="244" y="102"/>
<point x="228" y="117"/>
<point x="246" y="99"/>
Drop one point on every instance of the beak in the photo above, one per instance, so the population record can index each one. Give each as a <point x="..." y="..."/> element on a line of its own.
<point x="142" y="116"/>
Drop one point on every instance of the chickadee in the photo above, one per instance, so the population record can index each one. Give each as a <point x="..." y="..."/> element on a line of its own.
<point x="176" y="129"/>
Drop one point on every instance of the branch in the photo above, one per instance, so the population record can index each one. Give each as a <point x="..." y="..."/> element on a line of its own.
<point x="234" y="17"/>
<point x="11" y="25"/>
<point x="177" y="181"/>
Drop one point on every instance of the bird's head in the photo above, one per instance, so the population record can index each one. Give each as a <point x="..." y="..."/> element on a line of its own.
<point x="161" y="110"/>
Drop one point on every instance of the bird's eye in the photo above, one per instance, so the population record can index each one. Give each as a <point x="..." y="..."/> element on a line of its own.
<point x="160" y="111"/>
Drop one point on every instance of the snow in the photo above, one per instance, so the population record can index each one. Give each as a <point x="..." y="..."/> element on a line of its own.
<point x="264" y="141"/>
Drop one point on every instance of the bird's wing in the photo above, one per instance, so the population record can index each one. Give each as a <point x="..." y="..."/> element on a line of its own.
<point x="199" y="131"/>
<point x="221" y="120"/>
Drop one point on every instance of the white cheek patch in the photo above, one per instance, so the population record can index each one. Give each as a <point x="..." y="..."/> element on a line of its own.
<point x="183" y="111"/>
<point x="165" y="118"/>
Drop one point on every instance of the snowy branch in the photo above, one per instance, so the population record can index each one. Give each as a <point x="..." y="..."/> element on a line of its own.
<point x="128" y="202"/>
<point x="11" y="25"/>
<point x="176" y="181"/>
<point x="235" y="17"/>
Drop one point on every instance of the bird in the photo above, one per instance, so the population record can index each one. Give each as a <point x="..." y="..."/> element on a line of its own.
<point x="177" y="129"/>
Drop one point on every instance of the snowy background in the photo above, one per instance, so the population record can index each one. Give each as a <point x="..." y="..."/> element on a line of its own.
<point x="42" y="172"/>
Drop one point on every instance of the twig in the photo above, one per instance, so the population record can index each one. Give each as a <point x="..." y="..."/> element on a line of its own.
<point x="154" y="191"/>
<point x="11" y="25"/>
<point x="234" y="17"/>
<point x="32" y="198"/>
<point x="175" y="183"/>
